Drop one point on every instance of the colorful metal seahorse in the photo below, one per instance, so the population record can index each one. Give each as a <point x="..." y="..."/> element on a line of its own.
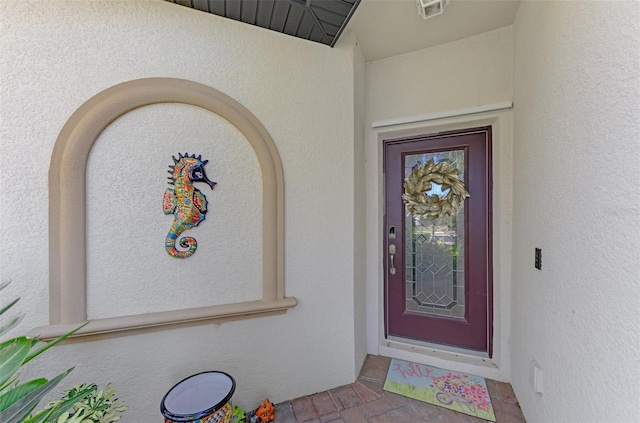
<point x="185" y="202"/>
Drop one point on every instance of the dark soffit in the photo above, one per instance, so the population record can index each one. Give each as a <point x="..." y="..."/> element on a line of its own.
<point x="321" y="21"/>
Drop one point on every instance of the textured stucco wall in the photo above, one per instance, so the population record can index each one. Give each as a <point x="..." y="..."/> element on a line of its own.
<point x="360" y="210"/>
<point x="55" y="55"/>
<point x="126" y="180"/>
<point x="470" y="72"/>
<point x="577" y="197"/>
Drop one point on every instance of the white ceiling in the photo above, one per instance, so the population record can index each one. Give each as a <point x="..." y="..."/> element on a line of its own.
<point x="386" y="28"/>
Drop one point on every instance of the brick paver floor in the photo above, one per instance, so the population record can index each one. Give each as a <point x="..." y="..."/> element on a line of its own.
<point x="365" y="402"/>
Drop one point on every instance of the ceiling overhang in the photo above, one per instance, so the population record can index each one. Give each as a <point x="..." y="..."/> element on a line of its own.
<point x="321" y="21"/>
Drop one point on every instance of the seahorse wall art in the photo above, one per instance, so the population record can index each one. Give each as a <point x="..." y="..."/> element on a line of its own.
<point x="187" y="204"/>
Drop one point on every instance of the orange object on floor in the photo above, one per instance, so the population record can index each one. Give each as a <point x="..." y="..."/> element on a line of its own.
<point x="264" y="413"/>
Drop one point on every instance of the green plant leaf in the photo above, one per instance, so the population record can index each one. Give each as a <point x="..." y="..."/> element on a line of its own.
<point x="8" y="306"/>
<point x="22" y="408"/>
<point x="12" y="381"/>
<point x="54" y="342"/>
<point x="12" y="356"/>
<point x="4" y="309"/>
<point x="76" y="418"/>
<point x="100" y="406"/>
<point x="64" y="418"/>
<point x="61" y="407"/>
<point x="13" y="322"/>
<point x="9" y="398"/>
<point x="10" y="344"/>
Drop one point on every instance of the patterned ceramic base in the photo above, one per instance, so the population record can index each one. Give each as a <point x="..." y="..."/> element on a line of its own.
<point x="456" y="391"/>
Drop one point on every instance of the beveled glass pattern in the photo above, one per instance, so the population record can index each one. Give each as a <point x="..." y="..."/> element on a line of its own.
<point x="434" y="257"/>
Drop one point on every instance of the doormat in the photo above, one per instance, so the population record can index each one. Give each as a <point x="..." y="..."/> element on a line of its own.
<point x="456" y="391"/>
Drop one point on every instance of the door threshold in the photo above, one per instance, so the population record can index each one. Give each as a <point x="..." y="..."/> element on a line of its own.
<point x="438" y="347"/>
<point x="443" y="357"/>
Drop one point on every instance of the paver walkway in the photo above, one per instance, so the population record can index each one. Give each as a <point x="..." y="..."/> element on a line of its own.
<point x="365" y="402"/>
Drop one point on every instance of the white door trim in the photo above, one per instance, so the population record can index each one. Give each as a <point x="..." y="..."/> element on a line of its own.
<point x="499" y="366"/>
<point x="441" y="115"/>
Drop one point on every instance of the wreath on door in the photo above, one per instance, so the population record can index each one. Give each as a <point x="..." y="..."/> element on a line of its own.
<point x="433" y="207"/>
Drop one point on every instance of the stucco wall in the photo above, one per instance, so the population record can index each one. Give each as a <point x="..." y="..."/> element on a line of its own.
<point x="58" y="54"/>
<point x="126" y="178"/>
<point x="466" y="73"/>
<point x="577" y="196"/>
<point x="360" y="211"/>
<point x="470" y="72"/>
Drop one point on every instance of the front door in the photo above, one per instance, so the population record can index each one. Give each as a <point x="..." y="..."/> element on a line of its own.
<point x="438" y="266"/>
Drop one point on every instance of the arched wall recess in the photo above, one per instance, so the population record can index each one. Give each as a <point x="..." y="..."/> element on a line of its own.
<point x="67" y="210"/>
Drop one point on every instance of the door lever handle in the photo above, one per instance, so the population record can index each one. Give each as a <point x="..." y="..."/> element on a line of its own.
<point x="392" y="254"/>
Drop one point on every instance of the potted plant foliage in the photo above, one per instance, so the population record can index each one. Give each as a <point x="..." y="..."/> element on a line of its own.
<point x="18" y="399"/>
<point x="100" y="406"/>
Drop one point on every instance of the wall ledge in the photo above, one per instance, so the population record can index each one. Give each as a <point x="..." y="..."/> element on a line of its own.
<point x="124" y="325"/>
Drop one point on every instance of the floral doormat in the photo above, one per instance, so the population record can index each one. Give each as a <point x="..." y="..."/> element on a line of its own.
<point x="456" y="391"/>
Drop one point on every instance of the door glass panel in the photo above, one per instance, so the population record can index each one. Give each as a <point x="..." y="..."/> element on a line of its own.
<point x="434" y="260"/>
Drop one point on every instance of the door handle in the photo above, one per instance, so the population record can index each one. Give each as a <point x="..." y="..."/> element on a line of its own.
<point x="392" y="254"/>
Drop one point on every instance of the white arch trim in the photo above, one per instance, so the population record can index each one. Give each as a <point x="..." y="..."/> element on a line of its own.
<point x="67" y="210"/>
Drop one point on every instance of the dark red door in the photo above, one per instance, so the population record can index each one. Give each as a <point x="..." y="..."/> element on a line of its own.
<point x="438" y="280"/>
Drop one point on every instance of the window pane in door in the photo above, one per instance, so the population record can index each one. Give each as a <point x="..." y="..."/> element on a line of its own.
<point x="434" y="260"/>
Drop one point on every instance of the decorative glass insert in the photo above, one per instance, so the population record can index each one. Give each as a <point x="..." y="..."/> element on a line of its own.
<point x="434" y="256"/>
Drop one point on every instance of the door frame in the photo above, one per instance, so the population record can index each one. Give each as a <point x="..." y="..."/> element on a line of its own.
<point x="487" y="218"/>
<point x="497" y="367"/>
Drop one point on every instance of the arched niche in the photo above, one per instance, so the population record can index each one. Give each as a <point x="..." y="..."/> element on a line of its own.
<point x="67" y="210"/>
